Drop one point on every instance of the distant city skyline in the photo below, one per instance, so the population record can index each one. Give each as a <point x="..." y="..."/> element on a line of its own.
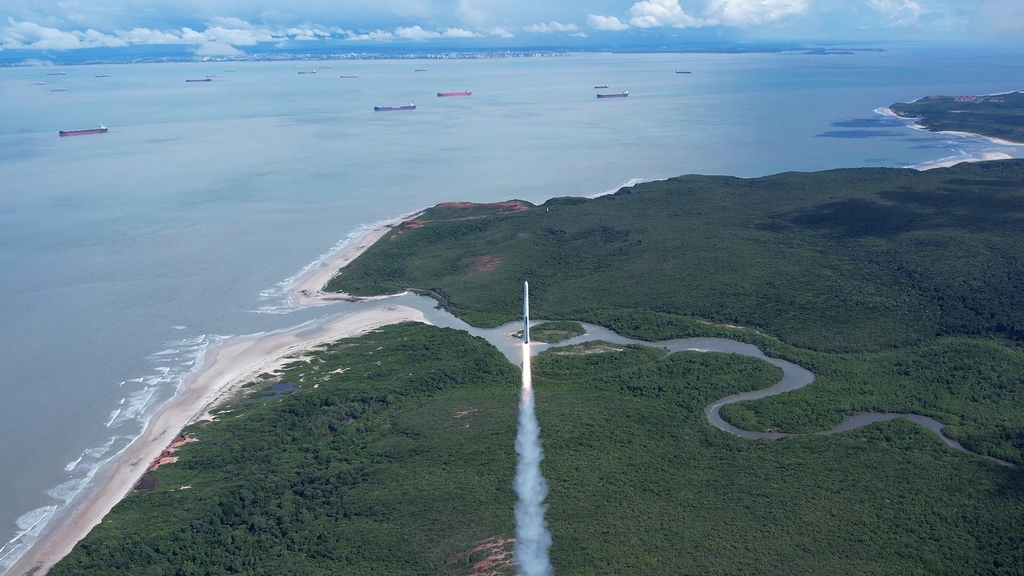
<point x="235" y="27"/>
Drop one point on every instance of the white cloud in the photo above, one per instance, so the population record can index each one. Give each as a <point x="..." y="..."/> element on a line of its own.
<point x="458" y="33"/>
<point x="606" y="23"/>
<point x="499" y="31"/>
<point x="236" y="36"/>
<point x="147" y="36"/>
<point x="551" y="27"/>
<point x="375" y="35"/>
<point x="898" y="12"/>
<point x="230" y="22"/>
<point x="415" y="33"/>
<point x="307" y="33"/>
<point x="753" y="12"/>
<point x="657" y="13"/>
<point x="30" y="35"/>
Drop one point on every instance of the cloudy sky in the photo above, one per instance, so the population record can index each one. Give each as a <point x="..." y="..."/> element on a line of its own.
<point x="233" y="26"/>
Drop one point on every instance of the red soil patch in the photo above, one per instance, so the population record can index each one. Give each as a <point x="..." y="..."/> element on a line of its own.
<point x="510" y="207"/>
<point x="484" y="263"/>
<point x="499" y="208"/>
<point x="497" y="557"/>
<point x="166" y="457"/>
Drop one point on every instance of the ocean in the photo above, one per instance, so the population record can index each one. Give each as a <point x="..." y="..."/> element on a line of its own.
<point x="127" y="256"/>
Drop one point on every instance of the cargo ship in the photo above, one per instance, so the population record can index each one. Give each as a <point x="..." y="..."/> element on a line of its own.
<point x="200" y="80"/>
<point x="619" y="95"/>
<point x="101" y="130"/>
<point x="683" y="72"/>
<point x="307" y="71"/>
<point x="58" y="89"/>
<point x="446" y="94"/>
<point x="599" y="86"/>
<point x="352" y="76"/>
<point x="103" y="76"/>
<point x="56" y="73"/>
<point x="420" y="70"/>
<point x="212" y="76"/>
<point x="409" y="106"/>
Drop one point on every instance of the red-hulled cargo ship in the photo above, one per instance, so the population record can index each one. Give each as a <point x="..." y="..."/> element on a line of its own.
<point x="446" y="94"/>
<point x="101" y="130"/>
<point x="409" y="106"/>
<point x="619" y="95"/>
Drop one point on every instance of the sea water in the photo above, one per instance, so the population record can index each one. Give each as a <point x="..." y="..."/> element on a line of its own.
<point x="125" y="257"/>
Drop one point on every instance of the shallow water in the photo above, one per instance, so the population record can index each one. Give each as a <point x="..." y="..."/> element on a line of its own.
<point x="126" y="256"/>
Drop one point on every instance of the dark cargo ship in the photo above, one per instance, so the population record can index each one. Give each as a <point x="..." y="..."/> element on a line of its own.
<point x="200" y="80"/>
<point x="409" y="106"/>
<point x="446" y="94"/>
<point x="619" y="95"/>
<point x="101" y="130"/>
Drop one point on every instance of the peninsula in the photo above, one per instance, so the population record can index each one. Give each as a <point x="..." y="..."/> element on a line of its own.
<point x="997" y="116"/>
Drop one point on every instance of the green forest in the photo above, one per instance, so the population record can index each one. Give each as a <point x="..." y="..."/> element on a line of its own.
<point x="900" y="290"/>
<point x="393" y="455"/>
<point x="996" y="115"/>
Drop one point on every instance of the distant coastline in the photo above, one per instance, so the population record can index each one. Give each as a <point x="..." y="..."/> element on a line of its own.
<point x="991" y="117"/>
<point x="165" y="54"/>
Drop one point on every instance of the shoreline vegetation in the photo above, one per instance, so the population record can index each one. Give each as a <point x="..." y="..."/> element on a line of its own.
<point x="450" y="222"/>
<point x="231" y="366"/>
<point x="998" y="118"/>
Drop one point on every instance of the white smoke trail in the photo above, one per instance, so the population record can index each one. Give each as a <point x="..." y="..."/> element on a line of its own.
<point x="532" y="537"/>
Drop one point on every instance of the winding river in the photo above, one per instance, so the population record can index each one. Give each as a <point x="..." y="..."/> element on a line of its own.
<point x="793" y="377"/>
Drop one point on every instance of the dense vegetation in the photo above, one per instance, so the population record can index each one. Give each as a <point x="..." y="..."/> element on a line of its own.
<point x="395" y="456"/>
<point x="901" y="290"/>
<point x="842" y="260"/>
<point x="999" y="115"/>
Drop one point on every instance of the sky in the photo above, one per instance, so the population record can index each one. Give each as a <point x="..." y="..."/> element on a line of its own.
<point x="232" y="27"/>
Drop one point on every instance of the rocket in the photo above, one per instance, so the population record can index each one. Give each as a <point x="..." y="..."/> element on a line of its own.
<point x="526" y="312"/>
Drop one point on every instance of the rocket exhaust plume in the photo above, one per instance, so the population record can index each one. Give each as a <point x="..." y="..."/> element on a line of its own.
<point x="532" y="537"/>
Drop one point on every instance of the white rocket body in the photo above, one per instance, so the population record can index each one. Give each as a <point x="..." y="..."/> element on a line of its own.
<point x="526" y="312"/>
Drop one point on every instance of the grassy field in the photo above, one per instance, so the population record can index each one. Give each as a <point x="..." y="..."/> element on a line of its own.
<point x="998" y="116"/>
<point x="395" y="456"/>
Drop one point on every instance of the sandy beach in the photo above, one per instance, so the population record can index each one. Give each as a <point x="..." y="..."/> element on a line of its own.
<point x="984" y="158"/>
<point x="231" y="366"/>
<point x="308" y="291"/>
<point x="953" y="162"/>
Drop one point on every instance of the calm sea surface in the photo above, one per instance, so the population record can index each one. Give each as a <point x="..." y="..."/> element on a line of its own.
<point x="125" y="256"/>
